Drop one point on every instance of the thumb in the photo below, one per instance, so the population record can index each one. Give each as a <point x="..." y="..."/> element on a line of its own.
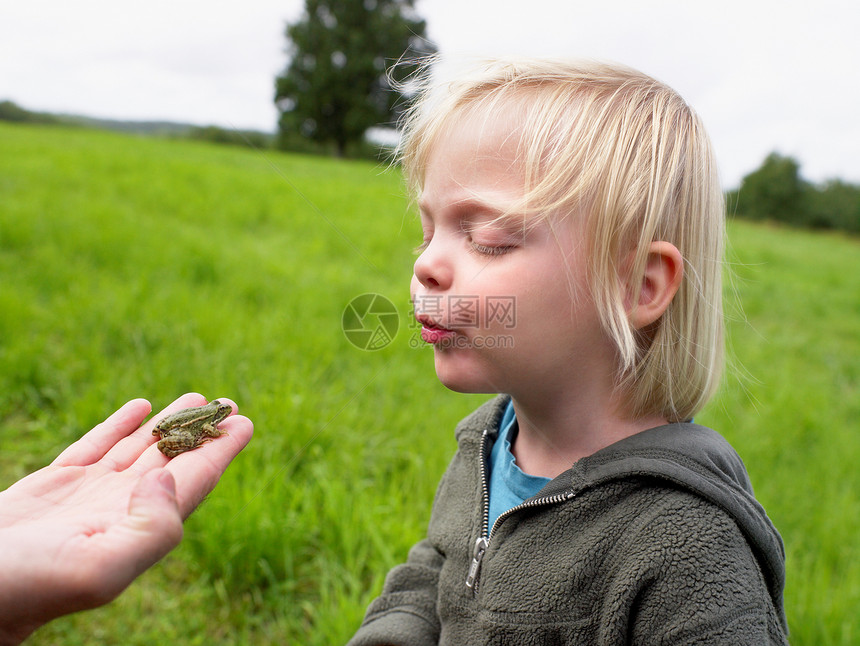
<point x="153" y="514"/>
<point x="152" y="527"/>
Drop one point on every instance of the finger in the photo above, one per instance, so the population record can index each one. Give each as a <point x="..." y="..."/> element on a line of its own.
<point x="130" y="449"/>
<point x="93" y="446"/>
<point x="197" y="472"/>
<point x="153" y="509"/>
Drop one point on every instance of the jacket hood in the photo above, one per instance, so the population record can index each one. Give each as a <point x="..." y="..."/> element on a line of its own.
<point x="684" y="455"/>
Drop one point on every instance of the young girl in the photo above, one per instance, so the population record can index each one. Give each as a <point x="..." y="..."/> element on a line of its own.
<point x="582" y="506"/>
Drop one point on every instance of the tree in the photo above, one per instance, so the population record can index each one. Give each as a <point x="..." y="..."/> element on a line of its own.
<point x="335" y="86"/>
<point x="776" y="191"/>
<point x="773" y="192"/>
<point x="835" y="205"/>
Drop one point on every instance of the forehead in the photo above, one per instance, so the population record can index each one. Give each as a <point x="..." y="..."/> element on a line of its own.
<point x="474" y="157"/>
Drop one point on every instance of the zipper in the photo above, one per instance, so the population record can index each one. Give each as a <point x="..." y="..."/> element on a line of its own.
<point x="483" y="541"/>
<point x="481" y="546"/>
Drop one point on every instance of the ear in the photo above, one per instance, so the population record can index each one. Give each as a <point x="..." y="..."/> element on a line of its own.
<point x="664" y="269"/>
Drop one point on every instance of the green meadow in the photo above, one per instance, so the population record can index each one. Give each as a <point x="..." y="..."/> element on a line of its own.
<point x="139" y="267"/>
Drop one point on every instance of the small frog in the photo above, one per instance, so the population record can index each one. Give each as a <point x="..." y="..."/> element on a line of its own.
<point x="191" y="427"/>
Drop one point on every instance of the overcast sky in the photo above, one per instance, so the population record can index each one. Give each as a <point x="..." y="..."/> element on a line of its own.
<point x="765" y="75"/>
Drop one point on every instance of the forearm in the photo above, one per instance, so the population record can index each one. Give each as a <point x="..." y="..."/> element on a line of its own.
<point x="405" y="612"/>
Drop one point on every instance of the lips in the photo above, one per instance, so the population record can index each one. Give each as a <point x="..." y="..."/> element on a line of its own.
<point x="433" y="333"/>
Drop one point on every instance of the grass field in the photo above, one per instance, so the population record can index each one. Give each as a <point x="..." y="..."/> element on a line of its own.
<point x="137" y="267"/>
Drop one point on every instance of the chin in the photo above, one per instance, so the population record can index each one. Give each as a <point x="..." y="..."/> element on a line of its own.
<point x="465" y="379"/>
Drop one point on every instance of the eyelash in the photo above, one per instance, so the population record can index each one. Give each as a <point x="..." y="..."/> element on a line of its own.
<point x="474" y="247"/>
<point x="484" y="250"/>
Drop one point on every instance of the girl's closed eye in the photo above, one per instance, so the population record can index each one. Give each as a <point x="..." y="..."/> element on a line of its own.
<point x="491" y="240"/>
<point x="488" y="250"/>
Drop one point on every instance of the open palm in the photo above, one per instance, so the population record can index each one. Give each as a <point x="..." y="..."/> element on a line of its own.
<point x="75" y="534"/>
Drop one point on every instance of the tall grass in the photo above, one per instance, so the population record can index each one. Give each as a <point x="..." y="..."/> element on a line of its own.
<point x="138" y="267"/>
<point x="791" y="406"/>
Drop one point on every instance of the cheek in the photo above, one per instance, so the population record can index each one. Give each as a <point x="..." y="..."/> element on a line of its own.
<point x="558" y="301"/>
<point x="547" y="310"/>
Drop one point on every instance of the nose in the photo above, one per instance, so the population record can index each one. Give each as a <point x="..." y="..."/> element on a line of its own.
<point x="433" y="267"/>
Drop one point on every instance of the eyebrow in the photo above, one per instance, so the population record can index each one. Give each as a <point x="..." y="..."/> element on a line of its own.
<point x="470" y="204"/>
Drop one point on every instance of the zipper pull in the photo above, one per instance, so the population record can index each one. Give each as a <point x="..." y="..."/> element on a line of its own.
<point x="480" y="548"/>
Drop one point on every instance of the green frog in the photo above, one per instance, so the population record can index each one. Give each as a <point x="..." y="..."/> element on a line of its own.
<point x="191" y="427"/>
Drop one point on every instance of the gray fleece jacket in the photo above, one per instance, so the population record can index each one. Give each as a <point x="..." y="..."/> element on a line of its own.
<point x="656" y="539"/>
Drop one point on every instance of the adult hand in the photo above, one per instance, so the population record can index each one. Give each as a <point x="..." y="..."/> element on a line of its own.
<point x="75" y="534"/>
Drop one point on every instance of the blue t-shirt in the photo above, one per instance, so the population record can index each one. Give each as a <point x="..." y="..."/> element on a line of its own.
<point x="509" y="486"/>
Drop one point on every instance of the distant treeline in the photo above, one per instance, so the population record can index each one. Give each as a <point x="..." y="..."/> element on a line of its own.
<point x="215" y="134"/>
<point x="777" y="192"/>
<point x="9" y="111"/>
<point x="12" y="112"/>
<point x="289" y="141"/>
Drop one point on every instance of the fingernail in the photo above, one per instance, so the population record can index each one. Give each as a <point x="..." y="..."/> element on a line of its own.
<point x="165" y="479"/>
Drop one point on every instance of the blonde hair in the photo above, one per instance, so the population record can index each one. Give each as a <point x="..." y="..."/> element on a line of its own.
<point x="626" y="153"/>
